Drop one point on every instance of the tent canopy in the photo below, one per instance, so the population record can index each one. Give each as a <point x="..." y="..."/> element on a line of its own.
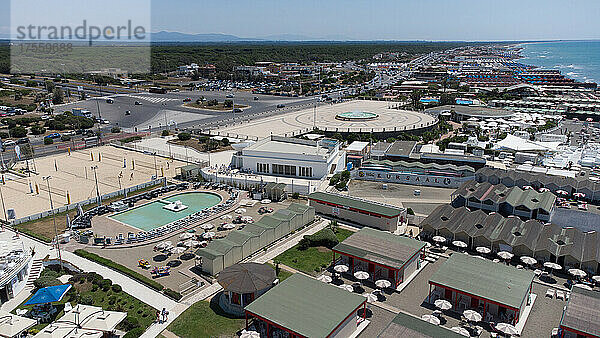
<point x="49" y="294"/>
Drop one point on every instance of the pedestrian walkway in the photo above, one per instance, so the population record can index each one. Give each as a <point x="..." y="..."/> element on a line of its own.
<point x="152" y="99"/>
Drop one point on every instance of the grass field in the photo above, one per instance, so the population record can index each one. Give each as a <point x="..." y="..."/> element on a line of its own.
<point x="205" y="319"/>
<point x="311" y="260"/>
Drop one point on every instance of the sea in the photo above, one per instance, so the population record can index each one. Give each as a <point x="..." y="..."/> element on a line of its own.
<point x="579" y="60"/>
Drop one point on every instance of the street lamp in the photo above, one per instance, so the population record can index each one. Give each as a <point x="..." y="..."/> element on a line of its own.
<point x="47" y="179"/>
<point x="95" y="168"/>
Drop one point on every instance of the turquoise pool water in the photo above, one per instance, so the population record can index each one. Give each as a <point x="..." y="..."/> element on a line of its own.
<point x="152" y="215"/>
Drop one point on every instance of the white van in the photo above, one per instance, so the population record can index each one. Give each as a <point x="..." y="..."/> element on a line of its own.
<point x="417" y="192"/>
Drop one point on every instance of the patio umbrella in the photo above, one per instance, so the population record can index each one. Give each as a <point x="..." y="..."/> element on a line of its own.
<point x="178" y="250"/>
<point x="249" y="334"/>
<point x="240" y="211"/>
<point x="265" y="201"/>
<point x="164" y="245"/>
<point x="472" y="316"/>
<point x="341" y="268"/>
<point x="577" y="273"/>
<point x="442" y="304"/>
<point x="228" y="226"/>
<point x="207" y="226"/>
<point x="528" y="260"/>
<point x="431" y="319"/>
<point x="383" y="283"/>
<point x="247" y="219"/>
<point x="562" y="192"/>
<point x="370" y="297"/>
<point x="552" y="266"/>
<point x="439" y="239"/>
<point x="226" y="217"/>
<point x="189" y="243"/>
<point x="544" y="190"/>
<point x="208" y="235"/>
<point x="579" y="285"/>
<point x="361" y="275"/>
<point x="461" y="331"/>
<point x="459" y="244"/>
<point x="186" y="235"/>
<point x="346" y="287"/>
<point x="579" y="195"/>
<point x="324" y="279"/>
<point x="505" y="255"/>
<point x="49" y="294"/>
<point x="527" y="187"/>
<point x="483" y="249"/>
<point x="506" y="329"/>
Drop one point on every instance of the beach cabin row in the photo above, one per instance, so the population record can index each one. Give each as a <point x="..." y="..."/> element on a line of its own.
<point x="239" y="244"/>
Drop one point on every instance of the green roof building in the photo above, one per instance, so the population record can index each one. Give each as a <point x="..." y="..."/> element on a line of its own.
<point x="500" y="292"/>
<point x="405" y="325"/>
<point x="382" y="254"/>
<point x="303" y="306"/>
<point x="367" y="213"/>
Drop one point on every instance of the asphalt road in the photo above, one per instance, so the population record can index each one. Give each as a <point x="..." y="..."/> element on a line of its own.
<point x="154" y="107"/>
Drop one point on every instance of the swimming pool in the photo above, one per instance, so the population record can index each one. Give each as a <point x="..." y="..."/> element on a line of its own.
<point x="152" y="215"/>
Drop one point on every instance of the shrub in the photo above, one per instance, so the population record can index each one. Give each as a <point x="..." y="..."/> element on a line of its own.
<point x="45" y="281"/>
<point x="335" y="179"/>
<point x="295" y="195"/>
<point x="87" y="300"/>
<point x="130" y="323"/>
<point x="165" y="133"/>
<point x="95" y="288"/>
<point x="105" y="284"/>
<point x="138" y="331"/>
<point x="410" y="211"/>
<point x="173" y="294"/>
<point x="184" y="136"/>
<point x="341" y="185"/>
<point x="117" y="288"/>
<point x="93" y="277"/>
<point x="48" y="141"/>
<point x="49" y="273"/>
<point x="325" y="238"/>
<point x="115" y="130"/>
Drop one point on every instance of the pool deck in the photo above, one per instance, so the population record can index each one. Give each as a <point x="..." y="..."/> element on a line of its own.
<point x="105" y="225"/>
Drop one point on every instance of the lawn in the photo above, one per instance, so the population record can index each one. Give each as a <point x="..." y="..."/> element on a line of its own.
<point x="89" y="289"/>
<point x="204" y="319"/>
<point x="43" y="228"/>
<point x="311" y="260"/>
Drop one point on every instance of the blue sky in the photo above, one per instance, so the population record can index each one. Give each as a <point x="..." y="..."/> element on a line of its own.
<point x="377" y="20"/>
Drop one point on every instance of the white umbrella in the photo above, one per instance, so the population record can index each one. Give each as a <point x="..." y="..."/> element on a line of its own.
<point x="459" y="244"/>
<point x="249" y="334"/>
<point x="190" y="243"/>
<point x="505" y="255"/>
<point x="506" y="329"/>
<point x="247" y="219"/>
<point x="442" y="304"/>
<point x="208" y="235"/>
<point x="207" y="226"/>
<point x="324" y="279"/>
<point x="528" y="260"/>
<point x="483" y="249"/>
<point x="265" y="201"/>
<point x="552" y="266"/>
<point x="383" y="283"/>
<point x="346" y="287"/>
<point x="186" y="235"/>
<point x="461" y="331"/>
<point x="361" y="275"/>
<point x="544" y="190"/>
<point x="579" y="194"/>
<point x="164" y="245"/>
<point x="439" y="239"/>
<point x="431" y="319"/>
<point x="370" y="297"/>
<point x="341" y="268"/>
<point x="178" y="250"/>
<point x="583" y="286"/>
<point x="240" y="211"/>
<point x="472" y="316"/>
<point x="226" y="217"/>
<point x="577" y="273"/>
<point x="562" y="192"/>
<point x="228" y="226"/>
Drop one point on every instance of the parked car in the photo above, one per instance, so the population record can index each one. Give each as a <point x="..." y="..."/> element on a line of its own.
<point x="53" y="135"/>
<point x="138" y="103"/>
<point x="281" y="106"/>
<point x="9" y="143"/>
<point x="187" y="99"/>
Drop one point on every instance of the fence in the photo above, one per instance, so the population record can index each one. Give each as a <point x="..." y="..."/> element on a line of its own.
<point x="72" y="206"/>
<point x="190" y="158"/>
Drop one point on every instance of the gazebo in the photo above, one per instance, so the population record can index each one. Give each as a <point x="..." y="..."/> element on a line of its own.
<point x="242" y="284"/>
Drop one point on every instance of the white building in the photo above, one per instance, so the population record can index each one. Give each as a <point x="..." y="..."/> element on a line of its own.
<point x="290" y="157"/>
<point x="15" y="263"/>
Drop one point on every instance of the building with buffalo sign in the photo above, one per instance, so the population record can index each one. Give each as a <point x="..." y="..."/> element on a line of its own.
<point x="368" y="213"/>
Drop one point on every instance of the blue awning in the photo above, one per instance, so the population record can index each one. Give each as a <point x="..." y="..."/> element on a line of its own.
<point x="49" y="294"/>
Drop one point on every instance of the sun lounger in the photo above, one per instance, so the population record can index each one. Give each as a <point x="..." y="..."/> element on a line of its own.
<point x="560" y="295"/>
<point x="550" y="293"/>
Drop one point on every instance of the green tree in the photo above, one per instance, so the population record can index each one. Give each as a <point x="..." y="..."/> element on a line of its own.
<point x="18" y="132"/>
<point x="58" y="96"/>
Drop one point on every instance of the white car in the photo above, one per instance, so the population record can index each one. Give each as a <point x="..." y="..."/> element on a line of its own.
<point x="9" y="143"/>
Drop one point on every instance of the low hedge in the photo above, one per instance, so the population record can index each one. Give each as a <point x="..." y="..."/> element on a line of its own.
<point x="325" y="237"/>
<point x="118" y="267"/>
<point x="173" y="294"/>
